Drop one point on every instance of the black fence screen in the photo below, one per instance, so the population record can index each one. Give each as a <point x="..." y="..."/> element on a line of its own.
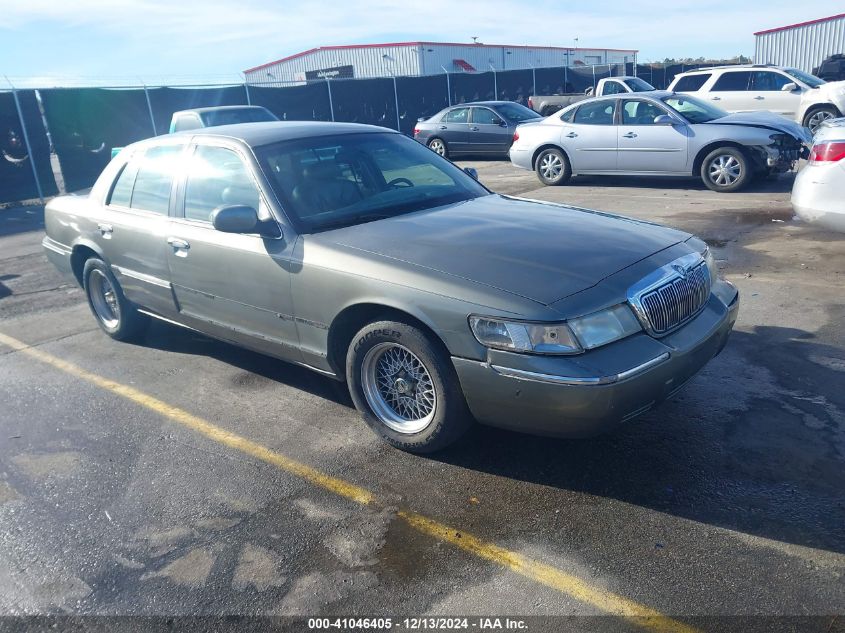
<point x="369" y="101"/>
<point x="16" y="179"/>
<point x="86" y="123"/>
<point x="420" y="97"/>
<point x="166" y="101"/>
<point x="309" y="102"/>
<point x="515" y="85"/>
<point x="472" y="87"/>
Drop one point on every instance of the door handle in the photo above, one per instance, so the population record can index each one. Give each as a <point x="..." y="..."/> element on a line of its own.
<point x="629" y="135"/>
<point x="571" y="135"/>
<point x="106" y="230"/>
<point x="443" y="127"/>
<point x="178" y="244"/>
<point x="759" y="98"/>
<point x="715" y="98"/>
<point x="474" y="128"/>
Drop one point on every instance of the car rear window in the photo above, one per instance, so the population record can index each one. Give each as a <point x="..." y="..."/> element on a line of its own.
<point x="691" y="83"/>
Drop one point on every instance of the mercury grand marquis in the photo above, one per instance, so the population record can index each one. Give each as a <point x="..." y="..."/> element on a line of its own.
<point x="365" y="256"/>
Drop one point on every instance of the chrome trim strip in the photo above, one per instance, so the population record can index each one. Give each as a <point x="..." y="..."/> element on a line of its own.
<point x="155" y="281"/>
<point x="578" y="381"/>
<point x="56" y="247"/>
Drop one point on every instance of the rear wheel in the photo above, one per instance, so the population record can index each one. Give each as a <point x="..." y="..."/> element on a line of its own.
<point x="816" y="116"/>
<point x="552" y="167"/>
<point x="115" y="315"/>
<point x="725" y="169"/>
<point x="405" y="387"/>
<point x="438" y="146"/>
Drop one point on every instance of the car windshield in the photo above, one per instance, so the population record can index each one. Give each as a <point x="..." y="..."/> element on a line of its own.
<point x="638" y="85"/>
<point x="328" y="182"/>
<point x="230" y="117"/>
<point x="692" y="109"/>
<point x="516" y="112"/>
<point x="807" y="78"/>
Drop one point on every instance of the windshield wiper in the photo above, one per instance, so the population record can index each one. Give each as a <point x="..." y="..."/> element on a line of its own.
<point x="358" y="219"/>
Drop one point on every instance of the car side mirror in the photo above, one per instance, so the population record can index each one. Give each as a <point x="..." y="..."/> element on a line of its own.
<point x="664" y="119"/>
<point x="501" y="123"/>
<point x="236" y="218"/>
<point x="789" y="87"/>
<point x="472" y="172"/>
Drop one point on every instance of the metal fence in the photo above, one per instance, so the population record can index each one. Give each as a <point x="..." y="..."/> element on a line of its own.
<point x="80" y="125"/>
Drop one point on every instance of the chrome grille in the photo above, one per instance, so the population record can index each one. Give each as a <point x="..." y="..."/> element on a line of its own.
<point x="678" y="300"/>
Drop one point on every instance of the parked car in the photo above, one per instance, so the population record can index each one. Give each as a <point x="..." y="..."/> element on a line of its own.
<point x="197" y="118"/>
<point x="831" y="69"/>
<point x="549" y="104"/>
<point x="658" y="133"/>
<point x="356" y="252"/>
<point x="787" y="91"/>
<point x="480" y="127"/>
<point x="819" y="189"/>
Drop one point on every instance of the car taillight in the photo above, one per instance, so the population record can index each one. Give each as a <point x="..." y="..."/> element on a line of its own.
<point x="530" y="103"/>
<point x="416" y="131"/>
<point x="827" y="152"/>
<point x="515" y="137"/>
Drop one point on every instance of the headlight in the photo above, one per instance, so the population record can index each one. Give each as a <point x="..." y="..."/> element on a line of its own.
<point x="514" y="336"/>
<point x="572" y="337"/>
<point x="711" y="265"/>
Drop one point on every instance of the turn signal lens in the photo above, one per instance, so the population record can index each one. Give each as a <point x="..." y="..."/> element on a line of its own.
<point x="827" y="152"/>
<point x="416" y="131"/>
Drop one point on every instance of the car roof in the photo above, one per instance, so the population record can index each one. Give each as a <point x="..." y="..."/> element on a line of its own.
<point x="482" y="103"/>
<point x="264" y="133"/>
<point x="219" y="109"/>
<point x="728" y="67"/>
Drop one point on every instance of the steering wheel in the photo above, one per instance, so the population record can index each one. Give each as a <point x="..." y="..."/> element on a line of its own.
<point x="400" y="181"/>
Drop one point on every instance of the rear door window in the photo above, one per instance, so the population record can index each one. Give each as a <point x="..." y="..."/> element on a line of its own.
<point x="691" y="83"/>
<point x="732" y="81"/>
<point x="154" y="180"/>
<point x="595" y="113"/>
<point x="458" y="115"/>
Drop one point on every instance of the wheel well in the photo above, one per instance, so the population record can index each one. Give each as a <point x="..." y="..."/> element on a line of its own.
<point x="78" y="257"/>
<point x="820" y="106"/>
<point x="545" y="147"/>
<point x="352" y="319"/>
<point x="696" y="166"/>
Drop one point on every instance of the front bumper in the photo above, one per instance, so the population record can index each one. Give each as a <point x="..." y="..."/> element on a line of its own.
<point x="582" y="396"/>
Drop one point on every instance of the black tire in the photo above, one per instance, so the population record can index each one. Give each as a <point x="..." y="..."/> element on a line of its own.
<point x="370" y="351"/>
<point x="552" y="167"/>
<point x="725" y="169"/>
<point x="439" y="146"/>
<point x="818" y="115"/>
<point x="114" y="313"/>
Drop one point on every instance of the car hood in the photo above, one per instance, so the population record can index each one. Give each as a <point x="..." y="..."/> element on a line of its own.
<point x="766" y="120"/>
<point x="540" y="251"/>
<point x="831" y="89"/>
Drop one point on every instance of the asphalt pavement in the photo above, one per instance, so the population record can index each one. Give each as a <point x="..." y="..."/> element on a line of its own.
<point x="183" y="476"/>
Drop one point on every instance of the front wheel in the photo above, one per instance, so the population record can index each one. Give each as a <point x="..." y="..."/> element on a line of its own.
<point x="725" y="169"/>
<point x="115" y="315"/>
<point x="405" y="387"/>
<point x="816" y="116"/>
<point x="552" y="167"/>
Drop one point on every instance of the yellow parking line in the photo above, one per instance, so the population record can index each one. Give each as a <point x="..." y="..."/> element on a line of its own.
<point x="537" y="571"/>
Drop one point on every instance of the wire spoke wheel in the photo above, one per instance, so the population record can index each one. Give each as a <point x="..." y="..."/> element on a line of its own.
<point x="398" y="388"/>
<point x="104" y="299"/>
<point x="724" y="170"/>
<point x="551" y="166"/>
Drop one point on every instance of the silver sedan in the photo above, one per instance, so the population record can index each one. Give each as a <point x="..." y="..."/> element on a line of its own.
<point x="659" y="134"/>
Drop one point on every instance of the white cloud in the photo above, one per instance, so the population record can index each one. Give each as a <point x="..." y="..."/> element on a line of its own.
<point x="248" y="32"/>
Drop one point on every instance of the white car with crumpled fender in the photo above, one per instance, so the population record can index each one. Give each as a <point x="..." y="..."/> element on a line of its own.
<point x="659" y="133"/>
<point x="790" y="92"/>
<point x="818" y="195"/>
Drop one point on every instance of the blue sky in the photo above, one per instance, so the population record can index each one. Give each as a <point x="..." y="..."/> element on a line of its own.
<point x="54" y="42"/>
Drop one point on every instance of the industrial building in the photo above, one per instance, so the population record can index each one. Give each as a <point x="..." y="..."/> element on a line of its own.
<point x="414" y="59"/>
<point x="803" y="45"/>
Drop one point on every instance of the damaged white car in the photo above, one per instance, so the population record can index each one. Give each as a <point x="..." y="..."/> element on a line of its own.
<point x="659" y="133"/>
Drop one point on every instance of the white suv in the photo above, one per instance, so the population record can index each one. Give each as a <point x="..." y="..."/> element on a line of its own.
<point x="786" y="91"/>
